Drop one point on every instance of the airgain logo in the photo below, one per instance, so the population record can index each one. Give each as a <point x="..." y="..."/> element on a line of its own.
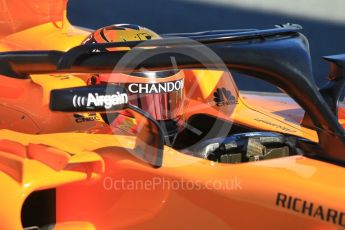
<point x="79" y="101"/>
<point x="222" y="97"/>
<point x="106" y="101"/>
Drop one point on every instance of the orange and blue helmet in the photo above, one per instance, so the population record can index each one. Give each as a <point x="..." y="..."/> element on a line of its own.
<point x="160" y="93"/>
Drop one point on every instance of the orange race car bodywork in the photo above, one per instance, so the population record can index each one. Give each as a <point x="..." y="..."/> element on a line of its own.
<point x="64" y="171"/>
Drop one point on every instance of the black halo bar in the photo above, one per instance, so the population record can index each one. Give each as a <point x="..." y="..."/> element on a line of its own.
<point x="208" y="32"/>
<point x="20" y="64"/>
<point x="207" y="37"/>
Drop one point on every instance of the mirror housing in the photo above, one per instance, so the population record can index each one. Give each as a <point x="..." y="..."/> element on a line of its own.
<point x="110" y="98"/>
<point x="98" y="98"/>
<point x="336" y="85"/>
<point x="333" y="89"/>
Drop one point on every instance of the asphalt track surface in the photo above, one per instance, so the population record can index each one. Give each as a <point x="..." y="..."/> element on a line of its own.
<point x="326" y="34"/>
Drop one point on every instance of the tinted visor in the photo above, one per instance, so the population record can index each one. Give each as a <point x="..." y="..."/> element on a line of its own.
<point x="162" y="100"/>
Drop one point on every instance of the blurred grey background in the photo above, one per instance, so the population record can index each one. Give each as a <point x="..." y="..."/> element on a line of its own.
<point x="323" y="21"/>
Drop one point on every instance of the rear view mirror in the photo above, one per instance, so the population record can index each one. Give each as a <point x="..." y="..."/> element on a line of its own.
<point x="341" y="107"/>
<point x="334" y="91"/>
<point x="341" y="110"/>
<point x="99" y="98"/>
<point x="110" y="98"/>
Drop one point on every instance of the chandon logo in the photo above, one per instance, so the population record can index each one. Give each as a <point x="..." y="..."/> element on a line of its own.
<point x="164" y="87"/>
<point x="106" y="101"/>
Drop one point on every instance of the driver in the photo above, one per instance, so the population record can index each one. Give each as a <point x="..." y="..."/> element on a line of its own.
<point x="160" y="93"/>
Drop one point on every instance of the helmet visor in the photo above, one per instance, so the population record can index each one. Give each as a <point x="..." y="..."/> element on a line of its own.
<point x="163" y="100"/>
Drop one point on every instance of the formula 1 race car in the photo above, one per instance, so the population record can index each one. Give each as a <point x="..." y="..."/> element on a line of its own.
<point x="122" y="128"/>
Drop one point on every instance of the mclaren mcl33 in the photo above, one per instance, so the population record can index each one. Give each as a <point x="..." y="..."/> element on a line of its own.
<point x="122" y="128"/>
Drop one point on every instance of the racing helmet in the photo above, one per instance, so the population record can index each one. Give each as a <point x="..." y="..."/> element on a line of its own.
<point x="160" y="93"/>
